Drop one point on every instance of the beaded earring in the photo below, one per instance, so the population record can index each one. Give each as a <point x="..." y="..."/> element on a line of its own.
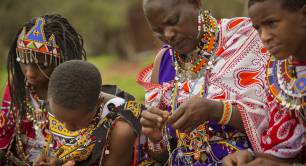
<point x="200" y="21"/>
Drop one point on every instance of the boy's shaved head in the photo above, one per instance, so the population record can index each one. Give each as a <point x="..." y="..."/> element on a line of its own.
<point x="75" y="84"/>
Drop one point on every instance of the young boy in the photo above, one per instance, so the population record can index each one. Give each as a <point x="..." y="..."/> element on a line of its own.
<point x="87" y="126"/>
<point x="282" y="28"/>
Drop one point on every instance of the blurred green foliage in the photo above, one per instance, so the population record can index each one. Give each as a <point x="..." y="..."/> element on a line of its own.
<point x="2" y="82"/>
<point x="115" y="27"/>
<point x="92" y="18"/>
<point x="108" y="26"/>
<point x="226" y="8"/>
<point x="111" y="68"/>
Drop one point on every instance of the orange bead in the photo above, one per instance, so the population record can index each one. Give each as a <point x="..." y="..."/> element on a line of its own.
<point x="196" y="156"/>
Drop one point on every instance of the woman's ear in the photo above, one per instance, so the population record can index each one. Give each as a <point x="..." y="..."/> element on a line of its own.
<point x="196" y="3"/>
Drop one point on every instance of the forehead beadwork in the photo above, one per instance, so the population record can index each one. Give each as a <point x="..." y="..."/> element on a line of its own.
<point x="34" y="43"/>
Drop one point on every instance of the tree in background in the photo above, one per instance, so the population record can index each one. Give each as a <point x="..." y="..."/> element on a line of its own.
<point x="226" y="8"/>
<point x="108" y="26"/>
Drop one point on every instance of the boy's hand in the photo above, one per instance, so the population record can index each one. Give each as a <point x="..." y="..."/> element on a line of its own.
<point x="69" y="163"/>
<point x="43" y="160"/>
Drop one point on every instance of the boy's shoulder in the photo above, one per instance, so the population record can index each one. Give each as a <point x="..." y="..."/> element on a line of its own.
<point x="122" y="131"/>
<point x="129" y="111"/>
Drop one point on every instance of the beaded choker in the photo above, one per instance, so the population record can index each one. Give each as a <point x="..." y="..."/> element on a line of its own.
<point x="205" y="53"/>
<point x="84" y="139"/>
<point x="287" y="85"/>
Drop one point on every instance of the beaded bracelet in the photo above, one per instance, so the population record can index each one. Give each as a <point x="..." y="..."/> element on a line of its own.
<point x="157" y="147"/>
<point x="227" y="113"/>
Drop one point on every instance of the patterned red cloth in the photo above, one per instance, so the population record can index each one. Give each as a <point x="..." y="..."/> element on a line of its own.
<point x="31" y="141"/>
<point x="284" y="136"/>
<point x="6" y="120"/>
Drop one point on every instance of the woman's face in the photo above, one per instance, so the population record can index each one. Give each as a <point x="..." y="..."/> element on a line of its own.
<point x="36" y="73"/>
<point x="174" y="22"/>
<point x="282" y="31"/>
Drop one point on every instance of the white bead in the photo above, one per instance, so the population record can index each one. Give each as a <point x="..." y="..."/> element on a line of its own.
<point x="298" y="107"/>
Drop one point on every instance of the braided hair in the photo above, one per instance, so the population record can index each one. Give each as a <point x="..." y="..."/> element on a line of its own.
<point x="287" y="4"/>
<point x="69" y="41"/>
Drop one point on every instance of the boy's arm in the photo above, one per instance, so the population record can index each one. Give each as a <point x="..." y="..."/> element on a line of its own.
<point x="122" y="141"/>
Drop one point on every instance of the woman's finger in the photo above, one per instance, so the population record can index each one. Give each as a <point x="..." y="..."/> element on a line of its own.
<point x="176" y="115"/>
<point x="150" y="124"/>
<point x="147" y="115"/>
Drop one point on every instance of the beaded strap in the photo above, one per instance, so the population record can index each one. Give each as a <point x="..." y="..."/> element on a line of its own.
<point x="227" y="113"/>
<point x="134" y="107"/>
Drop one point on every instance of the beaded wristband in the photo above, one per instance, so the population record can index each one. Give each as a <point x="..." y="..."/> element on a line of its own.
<point x="157" y="147"/>
<point x="227" y="113"/>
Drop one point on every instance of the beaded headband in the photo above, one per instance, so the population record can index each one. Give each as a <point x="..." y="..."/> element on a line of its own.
<point x="33" y="42"/>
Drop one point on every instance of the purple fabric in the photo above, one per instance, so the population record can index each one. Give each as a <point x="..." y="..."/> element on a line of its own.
<point x="166" y="70"/>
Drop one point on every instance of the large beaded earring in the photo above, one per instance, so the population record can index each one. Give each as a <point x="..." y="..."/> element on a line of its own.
<point x="200" y="23"/>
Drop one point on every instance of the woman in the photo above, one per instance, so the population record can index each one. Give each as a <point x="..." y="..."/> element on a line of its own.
<point x="207" y="75"/>
<point x="40" y="45"/>
<point x="284" y="137"/>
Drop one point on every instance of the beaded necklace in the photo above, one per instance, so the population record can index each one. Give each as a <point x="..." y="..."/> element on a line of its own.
<point x="205" y="57"/>
<point x="84" y="139"/>
<point x="36" y="114"/>
<point x="81" y="146"/>
<point x="285" y="86"/>
<point x="193" y="140"/>
<point x="205" y="53"/>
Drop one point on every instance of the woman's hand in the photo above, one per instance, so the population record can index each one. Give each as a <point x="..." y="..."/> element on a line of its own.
<point x="152" y="122"/>
<point x="239" y="158"/>
<point x="266" y="162"/>
<point x="246" y="158"/>
<point x="193" y="113"/>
